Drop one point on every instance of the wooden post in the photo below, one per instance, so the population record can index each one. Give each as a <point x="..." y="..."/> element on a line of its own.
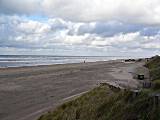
<point x="135" y="93"/>
<point x="156" y="98"/>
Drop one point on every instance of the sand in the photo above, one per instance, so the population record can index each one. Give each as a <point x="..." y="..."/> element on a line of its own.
<point x="27" y="92"/>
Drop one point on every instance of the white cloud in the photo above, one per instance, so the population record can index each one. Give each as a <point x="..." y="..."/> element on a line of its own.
<point x="34" y="27"/>
<point x="152" y="45"/>
<point x="137" y="11"/>
<point x="115" y="40"/>
<point x="73" y="39"/>
<point x="152" y="42"/>
<point x="55" y="35"/>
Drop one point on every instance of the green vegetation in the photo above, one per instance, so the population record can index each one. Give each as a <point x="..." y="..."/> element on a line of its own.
<point x="156" y="84"/>
<point x="154" y="67"/>
<point x="102" y="103"/>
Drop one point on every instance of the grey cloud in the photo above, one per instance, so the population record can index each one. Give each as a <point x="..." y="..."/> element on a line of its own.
<point x="20" y="7"/>
<point x="109" y="28"/>
<point x="58" y="24"/>
<point x="150" y="31"/>
<point x="138" y="12"/>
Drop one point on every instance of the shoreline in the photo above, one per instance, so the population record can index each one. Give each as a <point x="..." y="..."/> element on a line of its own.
<point x="21" y="61"/>
<point x="46" y="65"/>
<point x="60" y="65"/>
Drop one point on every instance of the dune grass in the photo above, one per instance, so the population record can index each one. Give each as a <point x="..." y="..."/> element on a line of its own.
<point x="102" y="103"/>
<point x="154" y="67"/>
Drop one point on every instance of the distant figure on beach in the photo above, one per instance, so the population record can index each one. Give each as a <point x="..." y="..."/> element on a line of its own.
<point x="84" y="61"/>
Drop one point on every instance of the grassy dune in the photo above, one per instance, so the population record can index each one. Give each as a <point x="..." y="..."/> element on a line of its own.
<point x="154" y="67"/>
<point x="102" y="103"/>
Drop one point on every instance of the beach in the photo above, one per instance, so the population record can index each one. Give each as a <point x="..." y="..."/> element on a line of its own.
<point x="27" y="92"/>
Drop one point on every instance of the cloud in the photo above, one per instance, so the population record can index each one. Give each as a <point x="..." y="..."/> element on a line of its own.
<point x="74" y="27"/>
<point x="152" y="45"/>
<point x="137" y="11"/>
<point x="116" y="40"/>
<point x="56" y="35"/>
<point x="20" y="7"/>
<point x="150" y="31"/>
<point x="35" y="27"/>
<point x="109" y="28"/>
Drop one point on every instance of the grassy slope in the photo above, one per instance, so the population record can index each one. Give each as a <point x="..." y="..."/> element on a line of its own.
<point x="103" y="103"/>
<point x="154" y="67"/>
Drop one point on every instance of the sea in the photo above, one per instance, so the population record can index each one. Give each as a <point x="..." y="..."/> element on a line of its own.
<point x="35" y="60"/>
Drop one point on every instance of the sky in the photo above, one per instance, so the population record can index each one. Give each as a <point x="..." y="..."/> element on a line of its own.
<point x="80" y="27"/>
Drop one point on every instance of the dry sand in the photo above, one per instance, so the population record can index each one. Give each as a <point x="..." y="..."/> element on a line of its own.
<point x="27" y="92"/>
